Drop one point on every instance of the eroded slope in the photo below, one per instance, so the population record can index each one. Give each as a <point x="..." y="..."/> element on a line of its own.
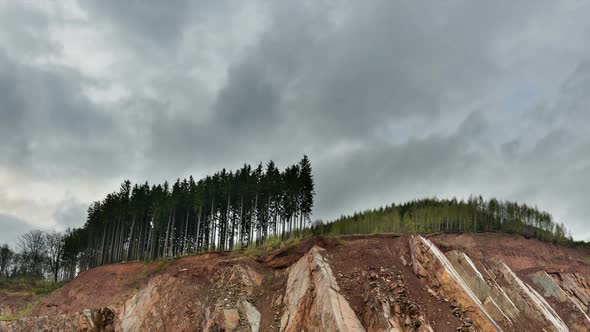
<point x="353" y="283"/>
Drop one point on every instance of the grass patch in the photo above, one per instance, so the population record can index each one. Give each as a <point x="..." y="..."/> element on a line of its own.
<point x="271" y="244"/>
<point x="160" y="266"/>
<point x="18" y="315"/>
<point x="47" y="288"/>
<point x="28" y="287"/>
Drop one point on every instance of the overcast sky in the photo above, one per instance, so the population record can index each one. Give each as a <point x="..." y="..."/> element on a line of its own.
<point x="392" y="100"/>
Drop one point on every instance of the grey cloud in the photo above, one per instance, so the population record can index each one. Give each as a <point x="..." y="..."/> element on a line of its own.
<point x="391" y="100"/>
<point x="249" y="101"/>
<point x="24" y="31"/>
<point x="49" y="125"/>
<point x="70" y="213"/>
<point x="383" y="173"/>
<point x="12" y="227"/>
<point x="156" y="21"/>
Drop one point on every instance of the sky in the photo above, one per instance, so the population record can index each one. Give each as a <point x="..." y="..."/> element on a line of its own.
<point x="391" y="100"/>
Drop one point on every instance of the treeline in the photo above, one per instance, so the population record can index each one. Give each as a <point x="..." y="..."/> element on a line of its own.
<point x="222" y="211"/>
<point x="38" y="255"/>
<point x="443" y="215"/>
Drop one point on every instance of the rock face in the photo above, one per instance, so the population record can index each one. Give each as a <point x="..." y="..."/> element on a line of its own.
<point x="312" y="298"/>
<point x="220" y="306"/>
<point x="381" y="283"/>
<point x="496" y="298"/>
<point x="576" y="316"/>
<point x="577" y="286"/>
<point x="95" y="320"/>
<point x="440" y="276"/>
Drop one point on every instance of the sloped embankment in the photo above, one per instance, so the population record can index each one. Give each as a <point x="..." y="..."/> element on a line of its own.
<point x="354" y="283"/>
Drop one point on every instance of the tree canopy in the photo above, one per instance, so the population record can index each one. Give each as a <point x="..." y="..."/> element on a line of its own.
<point x="222" y="211"/>
<point x="432" y="215"/>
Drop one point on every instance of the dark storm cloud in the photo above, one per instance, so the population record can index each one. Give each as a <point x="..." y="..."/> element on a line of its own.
<point x="391" y="100"/>
<point x="249" y="101"/>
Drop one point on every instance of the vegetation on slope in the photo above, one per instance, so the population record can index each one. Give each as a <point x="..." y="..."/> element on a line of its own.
<point x="258" y="209"/>
<point x="222" y="211"/>
<point x="443" y="215"/>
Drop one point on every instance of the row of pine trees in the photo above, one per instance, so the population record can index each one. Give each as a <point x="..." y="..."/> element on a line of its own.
<point x="434" y="215"/>
<point x="223" y="211"/>
<point x="242" y="208"/>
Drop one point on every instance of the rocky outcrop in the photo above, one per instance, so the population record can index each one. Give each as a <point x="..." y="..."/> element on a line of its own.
<point x="233" y="292"/>
<point x="383" y="283"/>
<point x="222" y="305"/>
<point x="511" y="303"/>
<point x="90" y="320"/>
<point x="495" y="301"/>
<point x="575" y="312"/>
<point x="312" y="299"/>
<point x="532" y="305"/>
<point x="577" y="286"/>
<point x="387" y="304"/>
<point x="439" y="275"/>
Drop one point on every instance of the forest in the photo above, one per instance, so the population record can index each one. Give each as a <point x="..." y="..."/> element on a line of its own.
<point x="232" y="210"/>
<point x="432" y="215"/>
<point x="224" y="211"/>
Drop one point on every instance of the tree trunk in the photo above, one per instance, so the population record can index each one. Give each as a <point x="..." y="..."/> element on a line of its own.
<point x="131" y="238"/>
<point x="198" y="230"/>
<point x="167" y="233"/>
<point x="185" y="233"/>
<point x="212" y="226"/>
<point x="226" y="231"/>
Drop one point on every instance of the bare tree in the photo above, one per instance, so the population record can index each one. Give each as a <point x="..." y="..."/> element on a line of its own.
<point x="32" y="248"/>
<point x="55" y="247"/>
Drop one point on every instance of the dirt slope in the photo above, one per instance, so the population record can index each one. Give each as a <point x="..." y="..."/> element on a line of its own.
<point x="453" y="282"/>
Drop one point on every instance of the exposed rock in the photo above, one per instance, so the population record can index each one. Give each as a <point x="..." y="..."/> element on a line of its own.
<point x="95" y="320"/>
<point x="212" y="307"/>
<point x="486" y="289"/>
<point x="577" y="286"/>
<point x="379" y="284"/>
<point x="378" y="317"/>
<point x="509" y="301"/>
<point x="576" y="316"/>
<point x="252" y="315"/>
<point x="312" y="298"/>
<point x="531" y="304"/>
<point x="427" y="259"/>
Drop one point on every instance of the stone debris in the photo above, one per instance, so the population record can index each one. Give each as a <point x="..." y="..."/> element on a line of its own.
<point x="89" y="320"/>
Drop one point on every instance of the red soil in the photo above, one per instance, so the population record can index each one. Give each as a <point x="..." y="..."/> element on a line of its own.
<point x="196" y="275"/>
<point x="521" y="254"/>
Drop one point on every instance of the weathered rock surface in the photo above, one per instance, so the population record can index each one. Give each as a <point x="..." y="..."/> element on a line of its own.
<point x="577" y="286"/>
<point x="438" y="274"/>
<point x="511" y="303"/>
<point x="168" y="298"/>
<point x="387" y="302"/>
<point x="495" y="301"/>
<point x="574" y="313"/>
<point x="312" y="299"/>
<point x="95" y="320"/>
<point x="381" y="283"/>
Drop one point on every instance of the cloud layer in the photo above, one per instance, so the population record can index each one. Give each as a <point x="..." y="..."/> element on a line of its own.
<point x="391" y="100"/>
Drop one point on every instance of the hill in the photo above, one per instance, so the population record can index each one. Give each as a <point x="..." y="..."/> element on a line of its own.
<point x="388" y="282"/>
